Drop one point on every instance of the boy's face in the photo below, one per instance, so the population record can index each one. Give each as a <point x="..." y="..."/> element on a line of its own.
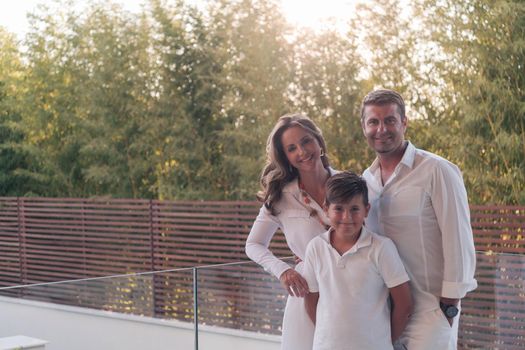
<point x="347" y="218"/>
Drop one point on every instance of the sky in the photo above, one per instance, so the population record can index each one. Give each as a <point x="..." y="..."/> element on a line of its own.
<point x="13" y="12"/>
<point x="299" y="12"/>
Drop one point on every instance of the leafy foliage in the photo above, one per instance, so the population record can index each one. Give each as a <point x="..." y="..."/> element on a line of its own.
<point x="482" y="67"/>
<point x="18" y="160"/>
<point x="176" y="102"/>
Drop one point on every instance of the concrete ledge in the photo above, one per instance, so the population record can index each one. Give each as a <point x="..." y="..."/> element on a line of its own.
<point x="70" y="327"/>
<point x="21" y="342"/>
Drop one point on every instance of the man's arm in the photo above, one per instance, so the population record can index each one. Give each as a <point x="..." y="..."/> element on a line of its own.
<point x="310" y="303"/>
<point x="450" y="203"/>
<point x="401" y="309"/>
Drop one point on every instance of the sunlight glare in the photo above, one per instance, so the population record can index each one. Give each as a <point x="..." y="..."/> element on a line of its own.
<point x="318" y="15"/>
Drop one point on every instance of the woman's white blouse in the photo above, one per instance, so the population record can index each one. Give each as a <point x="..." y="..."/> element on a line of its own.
<point x="294" y="219"/>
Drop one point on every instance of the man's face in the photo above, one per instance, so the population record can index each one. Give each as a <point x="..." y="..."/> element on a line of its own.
<point x="383" y="128"/>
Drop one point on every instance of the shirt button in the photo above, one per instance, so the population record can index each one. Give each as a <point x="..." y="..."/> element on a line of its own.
<point x="340" y="264"/>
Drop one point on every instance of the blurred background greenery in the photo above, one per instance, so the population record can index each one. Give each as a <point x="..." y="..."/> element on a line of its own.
<point x="176" y="101"/>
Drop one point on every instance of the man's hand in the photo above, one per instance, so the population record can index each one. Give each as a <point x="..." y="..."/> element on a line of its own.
<point x="449" y="301"/>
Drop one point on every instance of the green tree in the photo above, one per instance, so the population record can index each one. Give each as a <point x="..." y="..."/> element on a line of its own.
<point x="87" y="88"/>
<point x="113" y="79"/>
<point x="49" y="113"/>
<point x="257" y="71"/>
<point x="326" y="86"/>
<point x="18" y="161"/>
<point x="482" y="50"/>
<point x="187" y="103"/>
<point x="177" y="102"/>
<point x="397" y="55"/>
<point x="385" y="39"/>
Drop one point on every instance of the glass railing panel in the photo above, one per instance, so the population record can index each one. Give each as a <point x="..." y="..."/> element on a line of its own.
<point x="126" y="294"/>
<point x="241" y="296"/>
<point x="166" y="295"/>
<point x="118" y="312"/>
<point x="174" y="295"/>
<point x="245" y="297"/>
<point x="493" y="316"/>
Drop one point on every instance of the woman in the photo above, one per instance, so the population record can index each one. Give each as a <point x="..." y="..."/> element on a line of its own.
<point x="292" y="192"/>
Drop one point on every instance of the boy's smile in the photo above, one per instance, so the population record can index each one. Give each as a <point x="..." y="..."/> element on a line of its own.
<point x="347" y="218"/>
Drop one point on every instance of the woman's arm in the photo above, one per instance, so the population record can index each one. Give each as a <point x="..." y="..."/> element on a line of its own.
<point x="258" y="241"/>
<point x="257" y="244"/>
<point x="310" y="303"/>
<point x="401" y="309"/>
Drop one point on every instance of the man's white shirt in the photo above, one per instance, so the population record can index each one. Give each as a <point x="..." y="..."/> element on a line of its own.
<point x="423" y="208"/>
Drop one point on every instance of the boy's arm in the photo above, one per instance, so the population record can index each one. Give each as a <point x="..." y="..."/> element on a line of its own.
<point x="401" y="309"/>
<point x="310" y="303"/>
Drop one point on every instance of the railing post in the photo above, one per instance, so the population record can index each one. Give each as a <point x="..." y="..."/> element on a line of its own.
<point x="151" y="236"/>
<point x="84" y="244"/>
<point x="196" y="308"/>
<point x="21" y="240"/>
<point x="152" y="257"/>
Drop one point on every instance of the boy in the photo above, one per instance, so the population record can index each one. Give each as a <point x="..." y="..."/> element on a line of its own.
<point x="351" y="272"/>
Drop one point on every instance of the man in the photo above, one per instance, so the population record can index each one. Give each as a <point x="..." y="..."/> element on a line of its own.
<point x="418" y="200"/>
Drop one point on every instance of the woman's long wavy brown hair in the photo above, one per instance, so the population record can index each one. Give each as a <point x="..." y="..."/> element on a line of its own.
<point x="278" y="171"/>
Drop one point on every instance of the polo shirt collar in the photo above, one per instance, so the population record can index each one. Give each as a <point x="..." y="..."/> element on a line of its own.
<point x="364" y="240"/>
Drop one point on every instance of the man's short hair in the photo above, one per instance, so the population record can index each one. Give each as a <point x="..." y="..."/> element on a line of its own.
<point x="345" y="185"/>
<point x="383" y="97"/>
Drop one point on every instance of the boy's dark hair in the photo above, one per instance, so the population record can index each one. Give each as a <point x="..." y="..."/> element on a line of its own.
<point x="383" y="97"/>
<point x="344" y="186"/>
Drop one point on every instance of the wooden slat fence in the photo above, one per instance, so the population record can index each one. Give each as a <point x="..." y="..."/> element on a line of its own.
<point x="493" y="316"/>
<point x="498" y="229"/>
<point x="53" y="239"/>
<point x="47" y="239"/>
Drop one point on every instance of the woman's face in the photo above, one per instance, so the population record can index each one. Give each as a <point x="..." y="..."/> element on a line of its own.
<point x="301" y="149"/>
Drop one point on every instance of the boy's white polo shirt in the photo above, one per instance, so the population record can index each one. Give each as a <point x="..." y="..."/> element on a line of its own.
<point x="353" y="310"/>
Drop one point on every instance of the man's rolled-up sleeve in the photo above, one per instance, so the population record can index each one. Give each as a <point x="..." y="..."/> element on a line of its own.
<point x="450" y="203"/>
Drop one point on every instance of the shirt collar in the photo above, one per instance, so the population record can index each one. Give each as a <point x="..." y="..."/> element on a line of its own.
<point x="364" y="240"/>
<point x="408" y="158"/>
<point x="293" y="186"/>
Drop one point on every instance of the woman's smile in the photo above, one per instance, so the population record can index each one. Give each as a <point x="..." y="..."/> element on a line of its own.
<point x="302" y="149"/>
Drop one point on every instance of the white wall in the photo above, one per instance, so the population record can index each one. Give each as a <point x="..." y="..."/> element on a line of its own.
<point x="74" y="328"/>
